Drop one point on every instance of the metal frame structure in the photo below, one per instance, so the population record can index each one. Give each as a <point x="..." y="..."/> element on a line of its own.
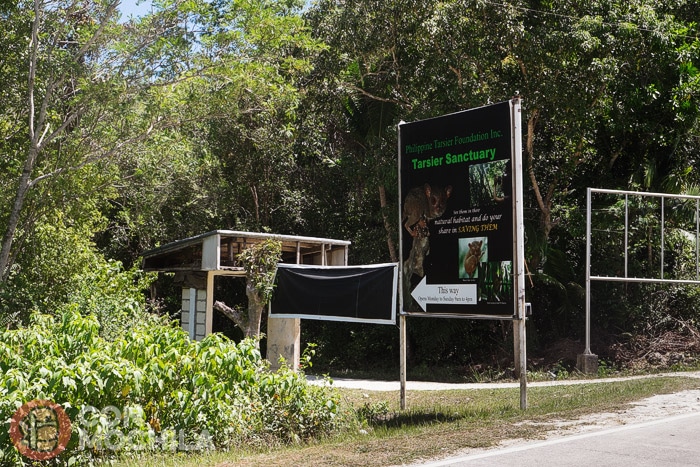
<point x="626" y="277"/>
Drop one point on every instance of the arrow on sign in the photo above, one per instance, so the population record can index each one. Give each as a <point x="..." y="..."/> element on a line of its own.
<point x="444" y="294"/>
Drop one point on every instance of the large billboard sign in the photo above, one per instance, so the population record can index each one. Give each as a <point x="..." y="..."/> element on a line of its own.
<point x="456" y="185"/>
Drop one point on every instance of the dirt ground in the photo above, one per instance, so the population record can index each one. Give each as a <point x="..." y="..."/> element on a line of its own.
<point x="652" y="408"/>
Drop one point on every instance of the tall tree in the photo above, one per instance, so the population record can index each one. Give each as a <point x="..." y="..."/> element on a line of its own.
<point x="73" y="102"/>
<point x="229" y="162"/>
<point x="102" y="97"/>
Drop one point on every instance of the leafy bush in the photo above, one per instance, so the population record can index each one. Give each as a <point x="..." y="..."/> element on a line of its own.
<point x="49" y="264"/>
<point x="153" y="389"/>
<point x="113" y="294"/>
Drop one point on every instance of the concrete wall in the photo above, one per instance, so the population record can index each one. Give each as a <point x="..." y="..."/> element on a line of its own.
<point x="194" y="304"/>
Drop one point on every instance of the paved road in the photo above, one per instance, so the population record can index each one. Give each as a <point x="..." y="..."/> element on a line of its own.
<point x="661" y="431"/>
<point x="667" y="442"/>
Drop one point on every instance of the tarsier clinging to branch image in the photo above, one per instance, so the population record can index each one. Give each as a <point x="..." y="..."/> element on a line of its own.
<point x="424" y="203"/>
<point x="421" y="205"/>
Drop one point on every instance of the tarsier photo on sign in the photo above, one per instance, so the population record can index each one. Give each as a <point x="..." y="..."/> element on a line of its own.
<point x="421" y="205"/>
<point x="473" y="258"/>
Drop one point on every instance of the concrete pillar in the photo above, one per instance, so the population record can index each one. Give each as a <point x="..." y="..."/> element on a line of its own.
<point x="283" y="340"/>
<point x="587" y="363"/>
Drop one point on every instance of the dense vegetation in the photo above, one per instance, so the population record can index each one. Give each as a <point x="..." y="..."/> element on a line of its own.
<point x="121" y="134"/>
<point x="153" y="389"/>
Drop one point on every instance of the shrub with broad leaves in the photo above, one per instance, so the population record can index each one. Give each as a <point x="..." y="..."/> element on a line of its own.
<point x="153" y="388"/>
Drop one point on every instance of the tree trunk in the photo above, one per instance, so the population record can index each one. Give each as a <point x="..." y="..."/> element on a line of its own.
<point x="544" y="202"/>
<point x="255" y="310"/>
<point x="13" y="221"/>
<point x="248" y="322"/>
<point x="387" y="226"/>
<point x="530" y="148"/>
<point x="34" y="131"/>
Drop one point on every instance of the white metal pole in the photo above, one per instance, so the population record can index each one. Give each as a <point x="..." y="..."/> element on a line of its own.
<point x="519" y="238"/>
<point x="663" y="220"/>
<point x="402" y="335"/>
<point x="402" y="317"/>
<point x="627" y="214"/>
<point x="587" y="350"/>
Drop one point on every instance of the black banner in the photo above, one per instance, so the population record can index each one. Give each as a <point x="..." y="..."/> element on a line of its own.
<point x="457" y="213"/>
<point x="336" y="293"/>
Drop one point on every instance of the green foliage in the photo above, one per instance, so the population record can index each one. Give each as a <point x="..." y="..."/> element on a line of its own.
<point x="606" y="369"/>
<point x="112" y="295"/>
<point x="151" y="388"/>
<point x="260" y="264"/>
<point x="610" y="100"/>
<point x="60" y="270"/>
<point x="205" y="115"/>
<point x="54" y="258"/>
<point x="372" y="412"/>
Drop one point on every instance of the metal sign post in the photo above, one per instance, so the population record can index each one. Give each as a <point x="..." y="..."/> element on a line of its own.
<point x="519" y="246"/>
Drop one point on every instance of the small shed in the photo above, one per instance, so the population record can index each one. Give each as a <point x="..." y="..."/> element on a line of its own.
<point x="196" y="261"/>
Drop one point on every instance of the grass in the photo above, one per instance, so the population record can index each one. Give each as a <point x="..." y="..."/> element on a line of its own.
<point x="436" y="424"/>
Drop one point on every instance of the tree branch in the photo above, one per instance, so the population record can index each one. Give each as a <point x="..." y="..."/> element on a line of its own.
<point x="234" y="315"/>
<point x="387" y="224"/>
<point x="530" y="148"/>
<point x="377" y="98"/>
